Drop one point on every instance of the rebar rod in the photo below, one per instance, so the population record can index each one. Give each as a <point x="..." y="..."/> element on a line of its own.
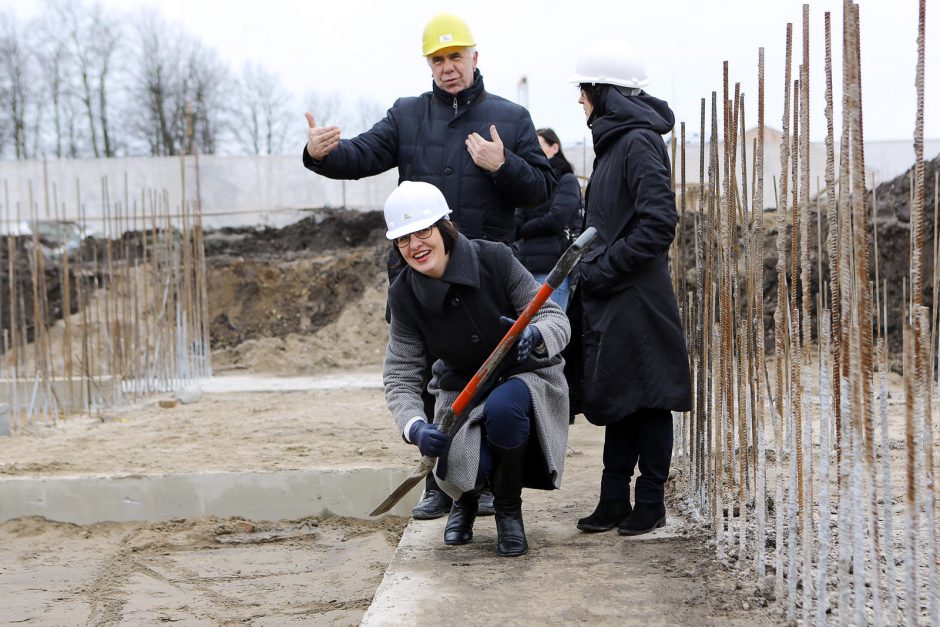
<point x="701" y="225"/>
<point x="804" y="426"/>
<point x="779" y="317"/>
<point x="758" y="322"/>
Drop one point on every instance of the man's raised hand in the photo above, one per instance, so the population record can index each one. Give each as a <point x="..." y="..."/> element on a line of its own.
<point x="322" y="139"/>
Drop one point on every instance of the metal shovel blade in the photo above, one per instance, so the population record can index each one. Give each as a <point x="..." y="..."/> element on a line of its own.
<point x="416" y="476"/>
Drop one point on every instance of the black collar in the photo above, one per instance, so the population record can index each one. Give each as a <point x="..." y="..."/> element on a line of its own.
<point x="463" y="268"/>
<point x="463" y="98"/>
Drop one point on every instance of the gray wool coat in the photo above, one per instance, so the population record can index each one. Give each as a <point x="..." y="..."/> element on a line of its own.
<point x="470" y="263"/>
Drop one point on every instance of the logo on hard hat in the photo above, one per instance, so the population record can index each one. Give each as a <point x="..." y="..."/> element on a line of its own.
<point x="444" y="38"/>
<point x="407" y="216"/>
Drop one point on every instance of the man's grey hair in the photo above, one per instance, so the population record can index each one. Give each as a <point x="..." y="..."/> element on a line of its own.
<point x="470" y="50"/>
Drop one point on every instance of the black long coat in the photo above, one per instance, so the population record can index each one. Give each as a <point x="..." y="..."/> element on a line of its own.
<point x="542" y="231"/>
<point x="424" y="137"/>
<point x="634" y="350"/>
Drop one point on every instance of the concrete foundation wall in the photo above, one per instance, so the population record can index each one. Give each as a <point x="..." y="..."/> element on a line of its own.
<point x="252" y="495"/>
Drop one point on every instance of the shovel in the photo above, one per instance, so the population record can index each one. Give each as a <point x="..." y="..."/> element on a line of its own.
<point x="456" y="410"/>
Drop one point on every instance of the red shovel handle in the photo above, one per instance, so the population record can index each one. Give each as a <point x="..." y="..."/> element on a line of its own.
<point x="557" y="275"/>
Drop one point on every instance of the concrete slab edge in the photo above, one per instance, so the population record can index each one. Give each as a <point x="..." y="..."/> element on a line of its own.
<point x="252" y="495"/>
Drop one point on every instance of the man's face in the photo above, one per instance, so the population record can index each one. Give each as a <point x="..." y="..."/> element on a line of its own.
<point x="453" y="68"/>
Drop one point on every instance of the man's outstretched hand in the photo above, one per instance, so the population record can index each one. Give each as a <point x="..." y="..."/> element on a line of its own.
<point x="322" y="139"/>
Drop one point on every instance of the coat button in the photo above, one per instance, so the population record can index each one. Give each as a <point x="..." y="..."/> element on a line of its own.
<point x="448" y="171"/>
<point x="475" y="338"/>
<point x="454" y="302"/>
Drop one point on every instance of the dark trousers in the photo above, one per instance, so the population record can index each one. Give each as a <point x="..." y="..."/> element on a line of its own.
<point x="643" y="437"/>
<point x="507" y="419"/>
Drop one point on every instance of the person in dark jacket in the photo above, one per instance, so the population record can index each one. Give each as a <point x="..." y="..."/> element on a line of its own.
<point x="479" y="149"/>
<point x="545" y="231"/>
<point x="452" y="302"/>
<point x="635" y="364"/>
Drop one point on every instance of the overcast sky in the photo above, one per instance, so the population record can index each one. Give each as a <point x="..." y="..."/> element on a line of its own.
<point x="373" y="49"/>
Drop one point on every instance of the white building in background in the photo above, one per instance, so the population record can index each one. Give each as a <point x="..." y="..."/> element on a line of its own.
<point x="277" y="190"/>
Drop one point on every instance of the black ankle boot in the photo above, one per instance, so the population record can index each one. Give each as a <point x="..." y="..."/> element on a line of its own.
<point x="645" y="518"/>
<point x="434" y="504"/>
<point x="507" y="491"/>
<point x="459" y="529"/>
<point x="608" y="514"/>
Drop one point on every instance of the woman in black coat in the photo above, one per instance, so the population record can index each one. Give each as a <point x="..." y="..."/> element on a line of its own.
<point x="544" y="231"/>
<point x="635" y="362"/>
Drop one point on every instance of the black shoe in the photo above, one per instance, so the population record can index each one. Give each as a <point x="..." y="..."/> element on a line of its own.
<point x="608" y="514"/>
<point x="434" y="504"/>
<point x="506" y="482"/>
<point x="459" y="529"/>
<point x="645" y="518"/>
<point x="510" y="532"/>
<point x="486" y="504"/>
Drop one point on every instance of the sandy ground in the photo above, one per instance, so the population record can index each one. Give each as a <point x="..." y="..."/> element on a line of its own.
<point x="206" y="571"/>
<point x="197" y="572"/>
<point x="222" y="571"/>
<point x="233" y="431"/>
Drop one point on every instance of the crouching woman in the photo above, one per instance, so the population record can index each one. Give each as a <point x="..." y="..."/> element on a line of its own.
<point x="454" y="302"/>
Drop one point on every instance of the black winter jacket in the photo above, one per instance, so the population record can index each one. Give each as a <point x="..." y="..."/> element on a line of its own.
<point x="424" y="137"/>
<point x="542" y="232"/>
<point x="634" y="349"/>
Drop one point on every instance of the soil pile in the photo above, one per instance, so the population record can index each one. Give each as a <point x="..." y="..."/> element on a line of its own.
<point x="892" y="200"/>
<point x="305" y="298"/>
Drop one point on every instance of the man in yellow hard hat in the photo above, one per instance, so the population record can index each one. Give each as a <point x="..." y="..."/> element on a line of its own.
<point x="479" y="149"/>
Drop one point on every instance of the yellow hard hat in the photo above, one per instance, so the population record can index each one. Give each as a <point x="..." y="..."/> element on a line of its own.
<point x="446" y="30"/>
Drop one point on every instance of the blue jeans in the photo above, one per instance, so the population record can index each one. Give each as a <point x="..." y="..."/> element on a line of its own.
<point x="507" y="417"/>
<point x="560" y="294"/>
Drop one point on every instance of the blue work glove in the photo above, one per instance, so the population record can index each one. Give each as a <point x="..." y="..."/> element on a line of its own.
<point x="528" y="340"/>
<point x="430" y="440"/>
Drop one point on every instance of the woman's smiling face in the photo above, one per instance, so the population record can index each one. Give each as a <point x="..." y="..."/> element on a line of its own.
<point x="427" y="255"/>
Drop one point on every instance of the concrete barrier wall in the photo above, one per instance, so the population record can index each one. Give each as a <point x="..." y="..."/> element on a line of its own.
<point x="275" y="190"/>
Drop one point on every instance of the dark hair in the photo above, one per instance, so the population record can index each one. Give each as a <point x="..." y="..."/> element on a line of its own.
<point x="551" y="137"/>
<point x="596" y="94"/>
<point x="449" y="234"/>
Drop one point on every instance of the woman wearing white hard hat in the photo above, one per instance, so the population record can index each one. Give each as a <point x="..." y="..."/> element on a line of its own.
<point x="630" y="365"/>
<point x="452" y="302"/>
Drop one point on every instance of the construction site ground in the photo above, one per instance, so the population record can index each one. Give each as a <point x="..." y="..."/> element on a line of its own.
<point x="333" y="570"/>
<point x="297" y="326"/>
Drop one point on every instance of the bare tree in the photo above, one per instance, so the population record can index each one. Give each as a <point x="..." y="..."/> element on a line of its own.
<point x="17" y="68"/>
<point x="326" y="108"/>
<point x="362" y="115"/>
<point x="261" y="113"/>
<point x="177" y="86"/>
<point x="204" y="92"/>
<point x="55" y="69"/>
<point x="93" y="39"/>
<point x="353" y="117"/>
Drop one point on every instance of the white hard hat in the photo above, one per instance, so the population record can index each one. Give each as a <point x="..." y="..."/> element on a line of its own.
<point x="413" y="206"/>
<point x="611" y="62"/>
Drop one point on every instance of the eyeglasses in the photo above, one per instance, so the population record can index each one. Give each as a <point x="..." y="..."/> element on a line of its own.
<point x="402" y="241"/>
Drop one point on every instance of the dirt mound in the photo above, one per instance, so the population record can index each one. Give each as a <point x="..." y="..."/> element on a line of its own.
<point x="301" y="299"/>
<point x="325" y="230"/>
<point x="892" y="200"/>
<point x="50" y="279"/>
